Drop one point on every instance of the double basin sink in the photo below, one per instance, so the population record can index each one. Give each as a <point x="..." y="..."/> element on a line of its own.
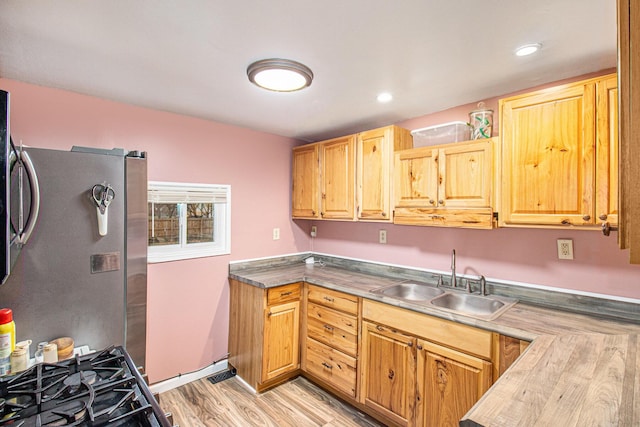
<point x="478" y="306"/>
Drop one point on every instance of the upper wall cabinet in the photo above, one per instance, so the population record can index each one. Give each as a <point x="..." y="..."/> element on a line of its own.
<point x="446" y="185"/>
<point x="325" y="176"/>
<point x="375" y="165"/>
<point x="304" y="195"/>
<point x="337" y="177"/>
<point x="559" y="155"/>
<point x="323" y="181"/>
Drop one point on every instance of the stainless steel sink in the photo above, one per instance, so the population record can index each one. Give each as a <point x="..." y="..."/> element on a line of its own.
<point x="474" y="305"/>
<point x="410" y="291"/>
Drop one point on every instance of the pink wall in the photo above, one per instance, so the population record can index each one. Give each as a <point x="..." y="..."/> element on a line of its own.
<point x="188" y="306"/>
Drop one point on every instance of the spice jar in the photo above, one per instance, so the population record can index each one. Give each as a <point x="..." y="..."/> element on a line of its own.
<point x="19" y="360"/>
<point x="7" y="339"/>
<point x="50" y="353"/>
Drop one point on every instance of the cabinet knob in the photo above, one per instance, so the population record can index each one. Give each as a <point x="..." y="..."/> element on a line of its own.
<point x="419" y="347"/>
<point x="384" y="214"/>
<point x="431" y="201"/>
<point x="313" y="213"/>
<point x="565" y="222"/>
<point x="441" y="202"/>
<point x="410" y="343"/>
<point x="321" y="213"/>
<point x="603" y="217"/>
<point x="586" y="217"/>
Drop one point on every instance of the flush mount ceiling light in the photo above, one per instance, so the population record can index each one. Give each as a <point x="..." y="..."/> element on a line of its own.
<point x="280" y="75"/>
<point x="528" y="49"/>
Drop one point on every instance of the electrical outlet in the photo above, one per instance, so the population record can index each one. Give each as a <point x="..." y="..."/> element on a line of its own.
<point x="314" y="231"/>
<point x="383" y="236"/>
<point x="565" y="249"/>
<point x="276" y="234"/>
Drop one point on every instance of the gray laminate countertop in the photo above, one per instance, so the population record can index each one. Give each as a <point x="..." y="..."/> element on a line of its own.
<point x="579" y="370"/>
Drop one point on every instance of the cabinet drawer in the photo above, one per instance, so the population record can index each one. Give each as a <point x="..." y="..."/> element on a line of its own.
<point x="283" y="293"/>
<point x="451" y="334"/>
<point x="333" y="318"/>
<point x="332" y="334"/>
<point x="334" y="299"/>
<point x="334" y="367"/>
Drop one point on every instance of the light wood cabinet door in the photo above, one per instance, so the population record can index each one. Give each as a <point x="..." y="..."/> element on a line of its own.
<point x="416" y="178"/>
<point x="448" y="185"/>
<point x="449" y="384"/>
<point x="337" y="159"/>
<point x="305" y="195"/>
<point x="548" y="156"/>
<point x="375" y="150"/>
<point x="465" y="175"/>
<point x="607" y="151"/>
<point x="388" y="373"/>
<point x="281" y="339"/>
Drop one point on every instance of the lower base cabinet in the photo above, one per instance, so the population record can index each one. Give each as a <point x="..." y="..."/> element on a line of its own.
<point x="389" y="366"/>
<point x="407" y="369"/>
<point x="449" y="384"/>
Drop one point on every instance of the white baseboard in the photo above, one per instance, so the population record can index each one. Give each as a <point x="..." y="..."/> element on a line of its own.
<point x="180" y="380"/>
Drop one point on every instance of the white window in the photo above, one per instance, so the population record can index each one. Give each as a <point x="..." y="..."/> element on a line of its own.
<point x="188" y="220"/>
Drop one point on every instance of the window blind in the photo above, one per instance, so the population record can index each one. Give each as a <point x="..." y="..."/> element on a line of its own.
<point x="160" y="192"/>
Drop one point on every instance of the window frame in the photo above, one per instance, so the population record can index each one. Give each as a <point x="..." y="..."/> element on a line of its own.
<point x="221" y="222"/>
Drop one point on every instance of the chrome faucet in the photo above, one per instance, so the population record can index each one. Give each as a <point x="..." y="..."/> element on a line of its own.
<point x="453" y="269"/>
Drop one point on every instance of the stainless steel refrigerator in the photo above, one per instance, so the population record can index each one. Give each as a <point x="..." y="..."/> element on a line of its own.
<point x="75" y="276"/>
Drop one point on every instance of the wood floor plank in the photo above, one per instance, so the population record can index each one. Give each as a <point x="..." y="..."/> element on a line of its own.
<point x="297" y="403"/>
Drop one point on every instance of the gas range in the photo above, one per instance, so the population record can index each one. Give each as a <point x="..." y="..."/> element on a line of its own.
<point x="96" y="389"/>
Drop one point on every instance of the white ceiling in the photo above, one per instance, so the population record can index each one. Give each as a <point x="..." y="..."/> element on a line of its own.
<point x="190" y="57"/>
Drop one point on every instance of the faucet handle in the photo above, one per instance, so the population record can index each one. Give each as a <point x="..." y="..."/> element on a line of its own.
<point x="439" y="276"/>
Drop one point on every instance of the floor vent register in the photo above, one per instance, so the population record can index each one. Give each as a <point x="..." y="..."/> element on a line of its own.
<point x="223" y="375"/>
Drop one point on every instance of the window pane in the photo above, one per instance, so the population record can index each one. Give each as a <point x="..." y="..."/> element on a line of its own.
<point x="164" y="224"/>
<point x="200" y="223"/>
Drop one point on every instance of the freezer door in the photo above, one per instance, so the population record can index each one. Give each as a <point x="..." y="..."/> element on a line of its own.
<point x="52" y="289"/>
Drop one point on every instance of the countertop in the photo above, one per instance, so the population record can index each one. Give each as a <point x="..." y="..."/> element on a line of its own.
<point x="579" y="370"/>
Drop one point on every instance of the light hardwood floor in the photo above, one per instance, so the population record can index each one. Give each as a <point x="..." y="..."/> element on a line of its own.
<point x="229" y="403"/>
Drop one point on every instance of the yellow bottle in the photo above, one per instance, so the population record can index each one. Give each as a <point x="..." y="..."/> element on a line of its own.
<point x="7" y="340"/>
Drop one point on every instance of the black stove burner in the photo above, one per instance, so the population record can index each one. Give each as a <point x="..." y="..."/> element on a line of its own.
<point x="93" y="390"/>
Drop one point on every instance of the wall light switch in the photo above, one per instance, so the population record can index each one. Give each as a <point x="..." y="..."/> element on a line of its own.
<point x="314" y="231"/>
<point x="565" y="249"/>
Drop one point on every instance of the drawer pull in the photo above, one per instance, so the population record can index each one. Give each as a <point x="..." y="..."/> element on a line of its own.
<point x="565" y="222"/>
<point x="326" y="365"/>
<point x="284" y="294"/>
<point x="391" y="374"/>
<point x="329" y="299"/>
<point x="328" y="328"/>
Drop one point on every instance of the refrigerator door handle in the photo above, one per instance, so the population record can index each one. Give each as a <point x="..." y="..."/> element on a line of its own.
<point x="24" y="236"/>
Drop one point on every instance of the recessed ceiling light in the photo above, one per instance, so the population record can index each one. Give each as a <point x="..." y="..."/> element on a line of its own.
<point x="528" y="49"/>
<point x="280" y="75"/>
<point x="384" y="97"/>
